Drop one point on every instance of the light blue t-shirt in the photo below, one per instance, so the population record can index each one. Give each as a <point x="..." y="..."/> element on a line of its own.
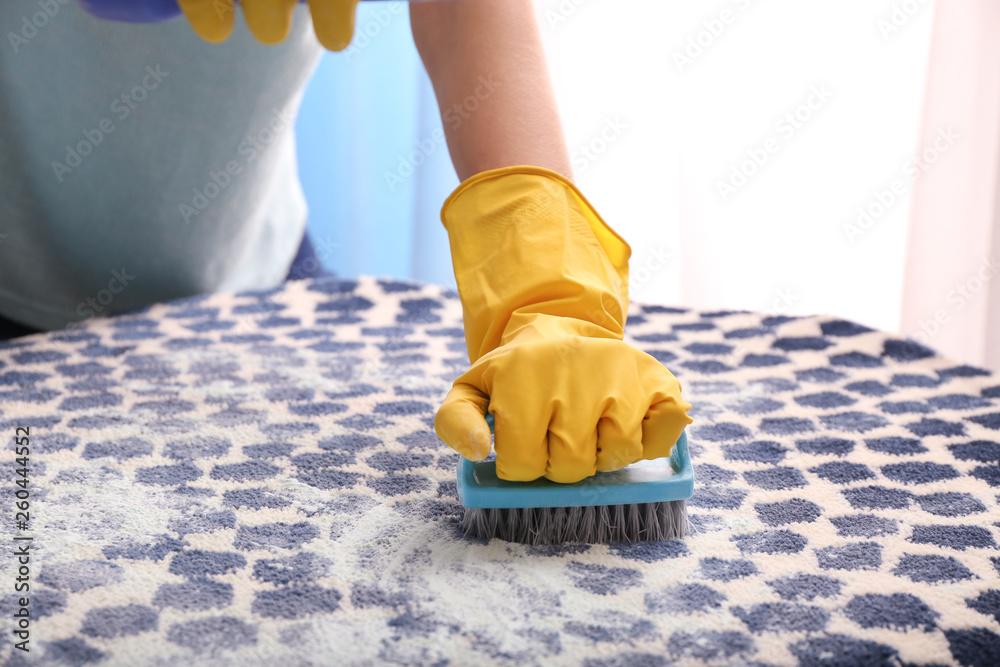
<point x="139" y="163"/>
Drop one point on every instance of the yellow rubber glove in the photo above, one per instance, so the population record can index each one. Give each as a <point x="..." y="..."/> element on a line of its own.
<point x="544" y="288"/>
<point x="271" y="20"/>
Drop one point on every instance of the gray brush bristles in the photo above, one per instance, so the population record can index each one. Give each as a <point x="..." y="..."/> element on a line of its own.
<point x="603" y="524"/>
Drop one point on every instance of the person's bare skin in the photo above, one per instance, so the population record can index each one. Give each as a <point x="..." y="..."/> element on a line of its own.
<point x="518" y="122"/>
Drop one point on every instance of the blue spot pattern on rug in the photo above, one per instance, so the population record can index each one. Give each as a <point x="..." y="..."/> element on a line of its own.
<point x="254" y="479"/>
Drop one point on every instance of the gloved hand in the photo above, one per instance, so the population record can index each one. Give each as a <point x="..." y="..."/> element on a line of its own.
<point x="543" y="284"/>
<point x="270" y="20"/>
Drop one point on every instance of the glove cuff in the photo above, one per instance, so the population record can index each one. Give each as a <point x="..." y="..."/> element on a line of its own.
<point x="526" y="247"/>
<point x="617" y="249"/>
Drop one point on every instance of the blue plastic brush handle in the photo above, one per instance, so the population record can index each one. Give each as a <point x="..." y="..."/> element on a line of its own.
<point x="134" y="11"/>
<point x="643" y="482"/>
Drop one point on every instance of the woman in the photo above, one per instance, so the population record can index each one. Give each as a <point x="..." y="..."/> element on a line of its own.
<point x="141" y="150"/>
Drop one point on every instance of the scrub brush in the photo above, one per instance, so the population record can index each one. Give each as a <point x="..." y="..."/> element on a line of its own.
<point x="645" y="501"/>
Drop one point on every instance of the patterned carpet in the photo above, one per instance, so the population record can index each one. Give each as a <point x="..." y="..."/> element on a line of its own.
<point x="253" y="479"/>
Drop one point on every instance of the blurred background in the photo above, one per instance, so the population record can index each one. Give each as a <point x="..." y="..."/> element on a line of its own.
<point x="756" y="154"/>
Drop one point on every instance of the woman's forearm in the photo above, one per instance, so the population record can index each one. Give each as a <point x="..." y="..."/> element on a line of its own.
<point x="486" y="63"/>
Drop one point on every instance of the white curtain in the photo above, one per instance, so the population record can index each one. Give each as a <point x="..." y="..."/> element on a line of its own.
<point x="774" y="149"/>
<point x="951" y="298"/>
